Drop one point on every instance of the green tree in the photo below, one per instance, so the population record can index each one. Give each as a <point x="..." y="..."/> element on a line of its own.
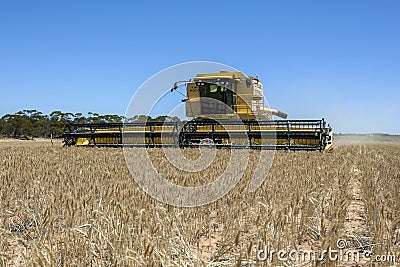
<point x="30" y="123"/>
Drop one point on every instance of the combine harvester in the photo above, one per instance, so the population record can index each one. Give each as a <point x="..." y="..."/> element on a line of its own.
<point x="227" y="111"/>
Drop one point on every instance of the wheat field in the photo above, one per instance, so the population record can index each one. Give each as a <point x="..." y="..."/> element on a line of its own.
<point x="81" y="207"/>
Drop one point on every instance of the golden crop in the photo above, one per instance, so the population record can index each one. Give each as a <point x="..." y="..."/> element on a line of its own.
<point x="81" y="207"/>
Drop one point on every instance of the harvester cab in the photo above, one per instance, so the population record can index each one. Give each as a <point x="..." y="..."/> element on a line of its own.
<point x="226" y="96"/>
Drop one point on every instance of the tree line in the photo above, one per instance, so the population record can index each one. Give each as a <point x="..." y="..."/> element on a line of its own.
<point x="27" y="124"/>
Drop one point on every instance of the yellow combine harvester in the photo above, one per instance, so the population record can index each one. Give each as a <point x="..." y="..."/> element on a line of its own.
<point x="227" y="110"/>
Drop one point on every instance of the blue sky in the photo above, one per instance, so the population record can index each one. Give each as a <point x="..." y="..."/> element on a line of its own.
<point x="334" y="59"/>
